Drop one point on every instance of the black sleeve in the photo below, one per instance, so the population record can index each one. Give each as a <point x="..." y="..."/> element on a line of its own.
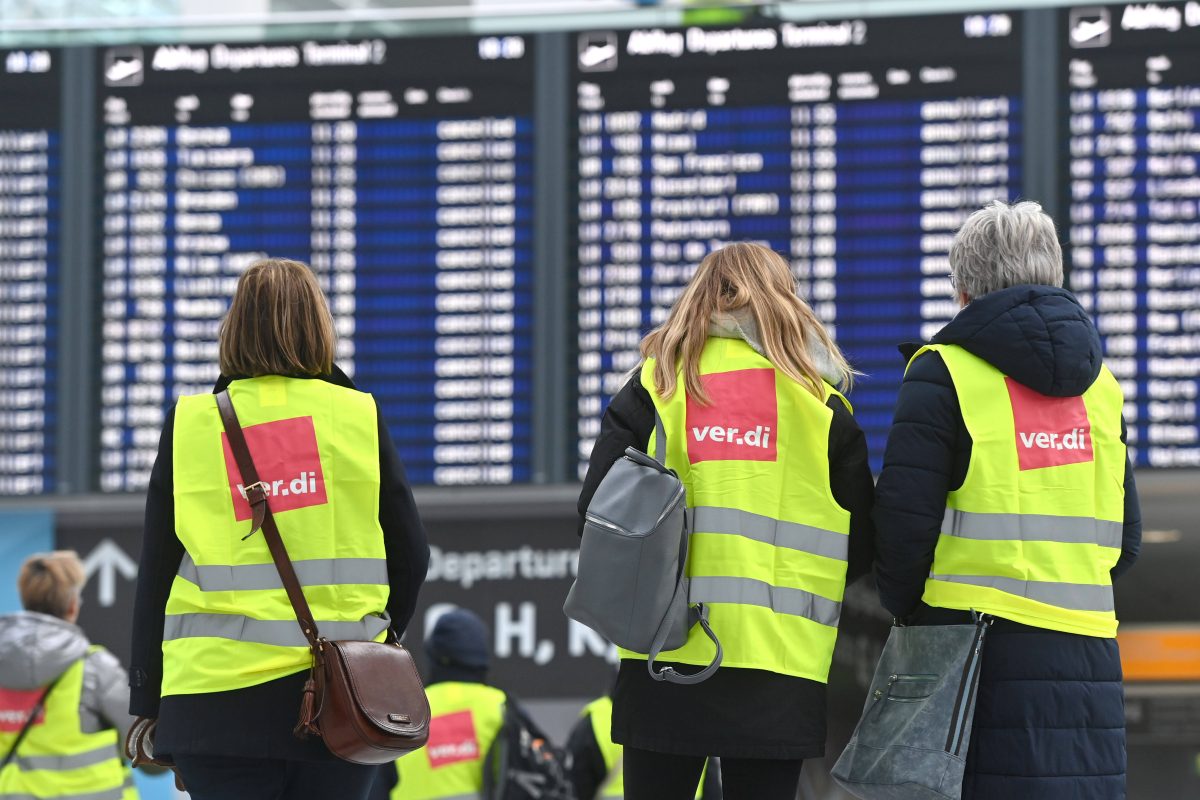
<point x="910" y="497"/>
<point x="1131" y="534"/>
<point x="627" y="422"/>
<point x="585" y="761"/>
<point x="403" y="534"/>
<point x="162" y="553"/>
<point x="852" y="486"/>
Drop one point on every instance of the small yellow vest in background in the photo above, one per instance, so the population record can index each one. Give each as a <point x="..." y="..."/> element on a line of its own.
<point x="1036" y="526"/>
<point x="58" y="759"/>
<point x="229" y="624"/>
<point x="599" y="713"/>
<point x="465" y="719"/>
<point x="769" y="543"/>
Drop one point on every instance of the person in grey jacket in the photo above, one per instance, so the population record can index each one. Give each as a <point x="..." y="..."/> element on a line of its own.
<point x="38" y="648"/>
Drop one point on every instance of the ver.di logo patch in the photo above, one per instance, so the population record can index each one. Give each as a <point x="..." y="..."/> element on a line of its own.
<point x="15" y="705"/>
<point x="452" y="739"/>
<point x="285" y="453"/>
<point x="741" y="422"/>
<point x="1051" y="431"/>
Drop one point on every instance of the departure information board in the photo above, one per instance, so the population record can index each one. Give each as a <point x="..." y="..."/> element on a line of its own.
<point x="1132" y="98"/>
<point x="400" y="170"/>
<point x="29" y="251"/>
<point x="854" y="147"/>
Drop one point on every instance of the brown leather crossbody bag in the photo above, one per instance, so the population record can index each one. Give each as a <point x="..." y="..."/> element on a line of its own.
<point x="365" y="699"/>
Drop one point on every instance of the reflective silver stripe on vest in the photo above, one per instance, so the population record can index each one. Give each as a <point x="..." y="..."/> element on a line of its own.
<point x="1073" y="596"/>
<point x="1031" y="528"/>
<point x="280" y="632"/>
<point x="106" y="794"/>
<point x="313" y="572"/>
<point x="792" y="535"/>
<point x="90" y="758"/>
<point x="781" y="600"/>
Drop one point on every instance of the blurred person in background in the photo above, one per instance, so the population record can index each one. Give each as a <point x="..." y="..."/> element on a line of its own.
<point x="218" y="657"/>
<point x="780" y="522"/>
<point x="1006" y="489"/>
<point x="63" y="698"/>
<point x="596" y="764"/>
<point x="478" y="734"/>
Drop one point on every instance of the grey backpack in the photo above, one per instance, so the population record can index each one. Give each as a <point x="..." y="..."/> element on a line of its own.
<point x="632" y="584"/>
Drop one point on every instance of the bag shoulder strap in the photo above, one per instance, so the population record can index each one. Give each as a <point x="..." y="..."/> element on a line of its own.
<point x="33" y="714"/>
<point x="256" y="495"/>
<point x="697" y="614"/>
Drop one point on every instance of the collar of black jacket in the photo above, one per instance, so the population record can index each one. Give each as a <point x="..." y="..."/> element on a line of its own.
<point x="1039" y="335"/>
<point x="336" y="377"/>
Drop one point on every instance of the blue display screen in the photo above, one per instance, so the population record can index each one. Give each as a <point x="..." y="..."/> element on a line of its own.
<point x="30" y="154"/>
<point x="855" y="148"/>
<point x="1131" y="112"/>
<point x="401" y="171"/>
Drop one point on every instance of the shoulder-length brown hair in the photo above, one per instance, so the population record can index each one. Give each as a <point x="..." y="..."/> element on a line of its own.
<point x="742" y="276"/>
<point x="278" y="323"/>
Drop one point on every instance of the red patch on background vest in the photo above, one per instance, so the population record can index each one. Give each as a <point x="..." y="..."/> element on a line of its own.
<point x="285" y="453"/>
<point x="452" y="739"/>
<point x="1051" y="431"/>
<point x="741" y="421"/>
<point x="15" y="706"/>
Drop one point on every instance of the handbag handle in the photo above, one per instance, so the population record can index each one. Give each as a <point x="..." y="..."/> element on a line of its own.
<point x="256" y="495"/>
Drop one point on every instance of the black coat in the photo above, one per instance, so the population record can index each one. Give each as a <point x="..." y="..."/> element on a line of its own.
<point x="255" y="722"/>
<point x="737" y="713"/>
<point x="1050" y="718"/>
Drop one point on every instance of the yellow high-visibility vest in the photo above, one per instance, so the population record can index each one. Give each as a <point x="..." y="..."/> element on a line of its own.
<point x="769" y="542"/>
<point x="57" y="759"/>
<point x="229" y="624"/>
<point x="1036" y="526"/>
<point x="465" y="719"/>
<point x="599" y="713"/>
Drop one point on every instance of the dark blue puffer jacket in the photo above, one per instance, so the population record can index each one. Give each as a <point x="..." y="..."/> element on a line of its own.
<point x="1050" y="722"/>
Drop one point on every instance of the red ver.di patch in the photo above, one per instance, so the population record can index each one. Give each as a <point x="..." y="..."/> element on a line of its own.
<point x="452" y="739"/>
<point x="741" y="421"/>
<point x="285" y="453"/>
<point x="15" y="705"/>
<point x="1051" y="431"/>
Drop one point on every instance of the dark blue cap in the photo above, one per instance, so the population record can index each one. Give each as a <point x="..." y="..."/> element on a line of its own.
<point x="459" y="638"/>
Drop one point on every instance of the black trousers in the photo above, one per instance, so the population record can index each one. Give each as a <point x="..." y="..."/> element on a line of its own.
<point x="225" y="778"/>
<point x="662" y="776"/>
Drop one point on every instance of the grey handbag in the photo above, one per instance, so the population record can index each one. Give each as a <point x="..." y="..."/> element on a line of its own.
<point x="911" y="743"/>
<point x="632" y="585"/>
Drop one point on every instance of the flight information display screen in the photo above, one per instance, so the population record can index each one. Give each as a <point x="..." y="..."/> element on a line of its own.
<point x="29" y="251"/>
<point x="400" y="170"/>
<point x="854" y="147"/>
<point x="1132" y="103"/>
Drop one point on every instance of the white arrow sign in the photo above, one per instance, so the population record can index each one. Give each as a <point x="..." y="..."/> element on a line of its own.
<point x="108" y="559"/>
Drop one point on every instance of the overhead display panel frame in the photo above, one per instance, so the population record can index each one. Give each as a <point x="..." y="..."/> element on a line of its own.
<point x="30" y="201"/>
<point x="1131" y="189"/>
<point x="401" y="170"/>
<point x="854" y="147"/>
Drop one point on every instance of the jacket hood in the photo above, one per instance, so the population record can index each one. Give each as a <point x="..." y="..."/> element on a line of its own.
<point x="740" y="324"/>
<point x="1037" y="335"/>
<point x="37" y="648"/>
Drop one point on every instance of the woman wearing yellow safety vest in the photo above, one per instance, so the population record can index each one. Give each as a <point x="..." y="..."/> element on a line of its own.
<point x="218" y="657"/>
<point x="779" y="491"/>
<point x="1006" y="489"/>
<point x="62" y="700"/>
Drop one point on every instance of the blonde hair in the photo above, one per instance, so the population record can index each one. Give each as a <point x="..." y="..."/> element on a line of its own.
<point x="50" y="582"/>
<point x="278" y="323"/>
<point x="740" y="276"/>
